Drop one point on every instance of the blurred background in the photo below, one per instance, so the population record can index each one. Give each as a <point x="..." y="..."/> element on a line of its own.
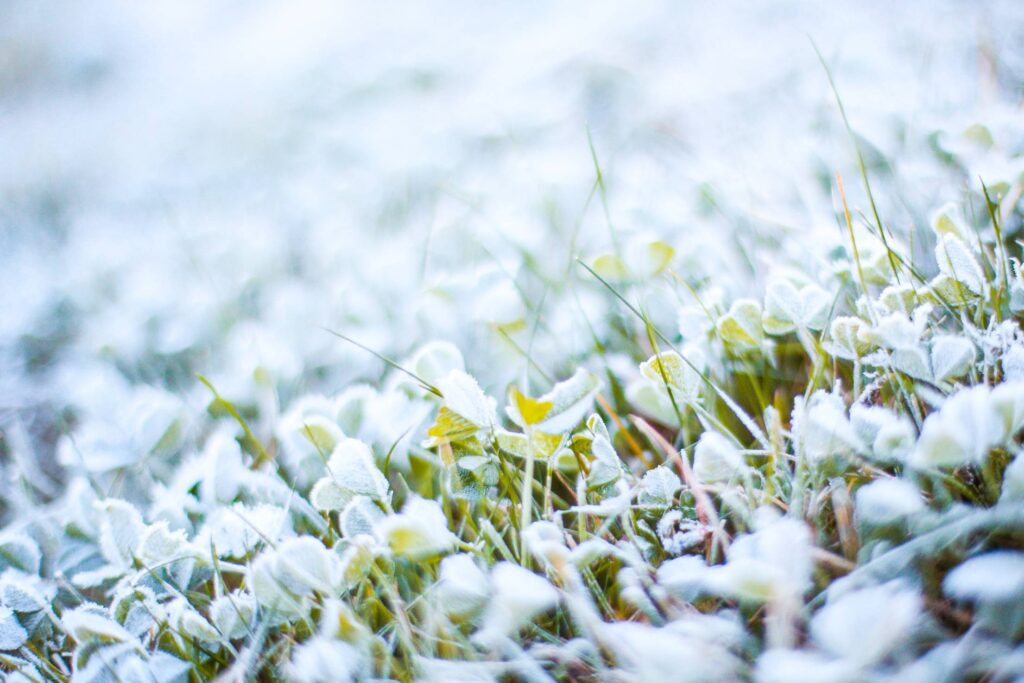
<point x="203" y="187"/>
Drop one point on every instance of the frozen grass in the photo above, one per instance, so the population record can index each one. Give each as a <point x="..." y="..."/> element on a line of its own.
<point x="731" y="450"/>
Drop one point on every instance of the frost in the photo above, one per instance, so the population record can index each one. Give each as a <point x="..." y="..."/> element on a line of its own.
<point x="121" y="528"/>
<point x="958" y="263"/>
<point x="867" y="625"/>
<point x="20" y="552"/>
<point x="418" y="532"/>
<point x="672" y="369"/>
<point x="323" y="660"/>
<point x="435" y="360"/>
<point x="772" y="563"/>
<point x="679" y="534"/>
<point x="558" y="410"/>
<point x="12" y="635"/>
<point x="741" y="327"/>
<point x="716" y="459"/>
<point x="846" y="338"/>
<point x="463" y="588"/>
<point x="890" y="436"/>
<point x="887" y="501"/>
<point x="659" y="486"/>
<point x="351" y="472"/>
<point x="654" y="654"/>
<point x="994" y="577"/>
<point x="233" y="614"/>
<point x="995" y="583"/>
<point x="822" y="428"/>
<point x="88" y="623"/>
<point x="951" y="357"/>
<point x="788" y="307"/>
<point x="464" y="397"/>
<point x="969" y="424"/>
<point x="518" y="596"/>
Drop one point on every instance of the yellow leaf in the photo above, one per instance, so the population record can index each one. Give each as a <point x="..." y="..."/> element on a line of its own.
<point x="531" y="410"/>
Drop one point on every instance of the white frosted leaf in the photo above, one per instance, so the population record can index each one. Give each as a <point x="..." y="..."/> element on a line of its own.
<point x="822" y="428"/>
<point x="121" y="528"/>
<point x="305" y="565"/>
<point x="996" y="576"/>
<point x="418" y="532"/>
<point x="913" y="362"/>
<point x="166" y="668"/>
<point x="24" y="592"/>
<point x="957" y="262"/>
<point x="324" y="659"/>
<point x="436" y="359"/>
<point x="233" y="614"/>
<point x="463" y="587"/>
<point x="85" y="624"/>
<point x="518" y="596"/>
<point x="570" y="401"/>
<point x="885" y="501"/>
<point x="359" y="517"/>
<point x="12" y="634"/>
<point x="352" y="467"/>
<point x="463" y="396"/>
<point x="670" y="367"/>
<point x="787" y="307"/>
<point x="20" y="552"/>
<point x="158" y="544"/>
<point x="947" y="221"/>
<point x="845" y="338"/>
<point x="741" y="326"/>
<point x="952" y="357"/>
<point x="329" y="496"/>
<point x="659" y="486"/>
<point x="716" y="459"/>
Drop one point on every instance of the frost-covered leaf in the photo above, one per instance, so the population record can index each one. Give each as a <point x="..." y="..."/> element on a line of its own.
<point x="957" y="262"/>
<point x="518" y="596"/>
<point x="12" y="634"/>
<point x="121" y="528"/>
<point x="773" y="563"/>
<point x="25" y="592"/>
<point x="669" y="367"/>
<point x="89" y="623"/>
<point x="822" y="428"/>
<point x="952" y="357"/>
<point x="968" y="425"/>
<point x="994" y="583"/>
<point x="846" y="339"/>
<point x="233" y="614"/>
<point x="435" y="360"/>
<point x="886" y="501"/>
<point x="787" y="307"/>
<point x="464" y="397"/>
<point x="741" y="326"/>
<point x="351" y="472"/>
<point x="947" y="220"/>
<point x="158" y="545"/>
<point x="716" y="459"/>
<point x="418" y="532"/>
<point x="20" y="552"/>
<point x="463" y="587"/>
<point x="558" y="410"/>
<point x="360" y="516"/>
<point x="659" y="486"/>
<point x="891" y="436"/>
<point x="322" y="659"/>
<point x="997" y="576"/>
